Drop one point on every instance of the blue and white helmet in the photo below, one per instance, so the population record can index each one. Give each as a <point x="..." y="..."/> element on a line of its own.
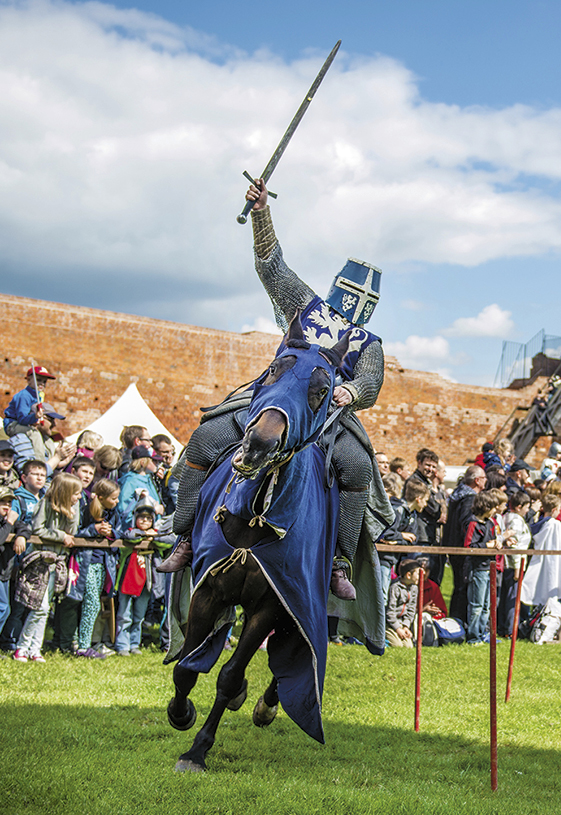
<point x="355" y="291"/>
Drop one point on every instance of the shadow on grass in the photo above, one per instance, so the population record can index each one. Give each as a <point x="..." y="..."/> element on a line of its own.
<point x="120" y="758"/>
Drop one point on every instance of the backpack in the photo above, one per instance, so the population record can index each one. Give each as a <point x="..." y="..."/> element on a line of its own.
<point x="450" y="630"/>
<point x="548" y="623"/>
<point x="526" y="626"/>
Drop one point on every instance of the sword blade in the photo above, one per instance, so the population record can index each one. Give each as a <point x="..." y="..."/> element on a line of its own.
<point x="298" y="116"/>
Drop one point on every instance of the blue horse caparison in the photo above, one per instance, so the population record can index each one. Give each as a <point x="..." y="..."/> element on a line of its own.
<point x="264" y="538"/>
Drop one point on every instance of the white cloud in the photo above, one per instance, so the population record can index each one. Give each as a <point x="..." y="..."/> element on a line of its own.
<point x="492" y="321"/>
<point x="421" y="353"/>
<point x="262" y="324"/>
<point x="123" y="138"/>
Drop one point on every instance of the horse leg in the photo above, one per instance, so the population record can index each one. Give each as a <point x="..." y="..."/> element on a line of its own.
<point x="267" y="707"/>
<point x="231" y="685"/>
<point x="202" y="616"/>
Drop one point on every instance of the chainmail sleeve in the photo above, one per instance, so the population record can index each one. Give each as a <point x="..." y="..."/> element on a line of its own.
<point x="368" y="377"/>
<point x="285" y="289"/>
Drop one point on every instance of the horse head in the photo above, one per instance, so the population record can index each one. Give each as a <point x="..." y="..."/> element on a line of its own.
<point x="290" y="401"/>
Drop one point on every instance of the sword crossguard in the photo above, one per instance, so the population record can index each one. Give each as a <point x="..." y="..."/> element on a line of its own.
<point x="255" y="183"/>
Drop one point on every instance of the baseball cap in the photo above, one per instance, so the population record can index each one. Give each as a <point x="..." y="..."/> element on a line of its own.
<point x="140" y="451"/>
<point x="5" y="445"/>
<point x="49" y="410"/>
<point x="519" y="464"/>
<point x="40" y="371"/>
<point x="6" y="494"/>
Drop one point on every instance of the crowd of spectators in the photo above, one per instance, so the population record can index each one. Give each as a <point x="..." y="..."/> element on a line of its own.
<point x="495" y="506"/>
<point x="122" y="500"/>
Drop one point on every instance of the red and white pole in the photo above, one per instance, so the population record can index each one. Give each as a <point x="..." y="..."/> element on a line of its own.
<point x="419" y="648"/>
<point x="514" y="630"/>
<point x="493" y="674"/>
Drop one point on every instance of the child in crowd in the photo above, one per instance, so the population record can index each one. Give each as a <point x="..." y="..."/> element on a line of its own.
<point x="403" y="529"/>
<point x="107" y="460"/>
<point x="479" y="535"/>
<point x="8" y="475"/>
<point x="402" y="605"/>
<point x="45" y="571"/>
<point x="543" y="577"/>
<point x="401" y="468"/>
<point x="24" y="411"/>
<point x="87" y="443"/>
<point x="84" y="469"/>
<point x="24" y="504"/>
<point x="433" y="601"/>
<point x="521" y="538"/>
<point x="135" y="577"/>
<point x="96" y="567"/>
<point x="10" y="524"/>
<point x="27" y="496"/>
<point x="138" y="482"/>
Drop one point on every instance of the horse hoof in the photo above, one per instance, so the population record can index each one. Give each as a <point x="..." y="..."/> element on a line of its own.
<point x="186" y="765"/>
<point x="263" y="715"/>
<point x="237" y="701"/>
<point x="182" y="722"/>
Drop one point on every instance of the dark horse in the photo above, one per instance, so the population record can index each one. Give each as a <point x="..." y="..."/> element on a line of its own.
<point x="264" y="539"/>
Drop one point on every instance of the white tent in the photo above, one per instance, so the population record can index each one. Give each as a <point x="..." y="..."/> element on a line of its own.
<point x="130" y="408"/>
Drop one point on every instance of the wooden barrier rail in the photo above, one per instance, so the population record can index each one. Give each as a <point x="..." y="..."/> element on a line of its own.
<point x="97" y="543"/>
<point x="464" y="550"/>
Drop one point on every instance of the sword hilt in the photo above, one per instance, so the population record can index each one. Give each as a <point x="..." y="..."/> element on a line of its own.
<point x="242" y="217"/>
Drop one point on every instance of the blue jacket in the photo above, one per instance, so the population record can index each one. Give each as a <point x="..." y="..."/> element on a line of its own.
<point x="132" y="484"/>
<point x="20" y="408"/>
<point x="87" y="523"/>
<point x="25" y="502"/>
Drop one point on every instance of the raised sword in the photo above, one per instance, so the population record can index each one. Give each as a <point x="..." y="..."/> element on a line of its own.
<point x="283" y="144"/>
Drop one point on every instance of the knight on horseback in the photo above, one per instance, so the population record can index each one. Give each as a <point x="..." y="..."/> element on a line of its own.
<point x="349" y="305"/>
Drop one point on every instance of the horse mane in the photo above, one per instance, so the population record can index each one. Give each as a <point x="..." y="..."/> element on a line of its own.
<point x="298" y="344"/>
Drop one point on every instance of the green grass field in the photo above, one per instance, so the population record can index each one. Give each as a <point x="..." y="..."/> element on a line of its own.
<point x="92" y="737"/>
<point x="86" y="737"/>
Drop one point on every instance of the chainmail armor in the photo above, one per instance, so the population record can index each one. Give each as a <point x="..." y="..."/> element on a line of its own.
<point x="207" y="442"/>
<point x="351" y="513"/>
<point x="287" y="293"/>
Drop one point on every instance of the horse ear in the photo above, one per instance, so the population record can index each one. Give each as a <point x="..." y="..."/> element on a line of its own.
<point x="295" y="331"/>
<point x="340" y="349"/>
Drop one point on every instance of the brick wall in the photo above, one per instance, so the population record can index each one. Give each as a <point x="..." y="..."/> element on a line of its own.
<point x="97" y="354"/>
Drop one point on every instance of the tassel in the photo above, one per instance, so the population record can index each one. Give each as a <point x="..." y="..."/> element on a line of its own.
<point x="220" y="514"/>
<point x="237" y="555"/>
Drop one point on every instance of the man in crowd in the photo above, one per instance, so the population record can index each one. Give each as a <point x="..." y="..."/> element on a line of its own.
<point x="427" y="466"/>
<point x="383" y="463"/>
<point x="132" y="436"/>
<point x="518" y="476"/>
<point x="459" y="513"/>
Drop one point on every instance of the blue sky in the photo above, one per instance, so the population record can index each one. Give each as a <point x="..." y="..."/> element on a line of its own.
<point x="433" y="150"/>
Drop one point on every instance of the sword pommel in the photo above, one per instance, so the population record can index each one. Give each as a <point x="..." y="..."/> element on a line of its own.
<point x="241" y="219"/>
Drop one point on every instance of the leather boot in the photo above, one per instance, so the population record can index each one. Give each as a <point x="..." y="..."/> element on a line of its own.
<point x="340" y="584"/>
<point x="181" y="557"/>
